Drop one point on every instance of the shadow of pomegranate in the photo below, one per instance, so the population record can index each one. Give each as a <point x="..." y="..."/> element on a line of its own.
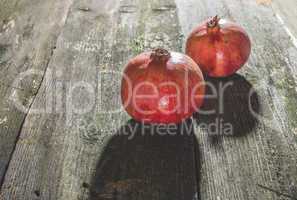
<point x="230" y="109"/>
<point x="145" y="161"/>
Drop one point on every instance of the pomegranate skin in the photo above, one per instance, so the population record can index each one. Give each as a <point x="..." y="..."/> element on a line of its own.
<point x="220" y="47"/>
<point x="159" y="87"/>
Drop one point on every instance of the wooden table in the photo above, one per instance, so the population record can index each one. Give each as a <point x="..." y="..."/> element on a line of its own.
<point x="53" y="53"/>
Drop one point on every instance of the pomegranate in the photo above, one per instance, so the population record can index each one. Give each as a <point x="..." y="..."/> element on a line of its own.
<point x="162" y="87"/>
<point x="219" y="47"/>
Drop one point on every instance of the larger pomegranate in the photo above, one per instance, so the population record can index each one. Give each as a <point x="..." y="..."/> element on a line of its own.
<point x="162" y="87"/>
<point x="219" y="47"/>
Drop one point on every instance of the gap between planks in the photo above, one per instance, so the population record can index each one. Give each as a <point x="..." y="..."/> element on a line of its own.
<point x="33" y="100"/>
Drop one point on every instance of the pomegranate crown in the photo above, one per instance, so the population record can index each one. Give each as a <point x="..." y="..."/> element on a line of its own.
<point x="160" y="55"/>
<point x="213" y="22"/>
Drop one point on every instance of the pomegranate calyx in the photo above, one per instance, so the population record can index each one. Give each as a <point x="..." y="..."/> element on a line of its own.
<point x="160" y="55"/>
<point x="214" y="22"/>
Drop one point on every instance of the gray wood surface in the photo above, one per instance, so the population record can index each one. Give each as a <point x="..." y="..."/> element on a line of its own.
<point x="82" y="156"/>
<point x="28" y="32"/>
<point x="61" y="154"/>
<point x="260" y="160"/>
<point x="285" y="11"/>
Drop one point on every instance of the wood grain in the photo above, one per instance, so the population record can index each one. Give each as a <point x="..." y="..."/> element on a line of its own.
<point x="286" y="14"/>
<point x="262" y="153"/>
<point x="28" y="33"/>
<point x="63" y="154"/>
<point x="66" y="153"/>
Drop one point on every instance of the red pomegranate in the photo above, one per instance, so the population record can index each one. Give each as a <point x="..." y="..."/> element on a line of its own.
<point x="219" y="47"/>
<point x="162" y="87"/>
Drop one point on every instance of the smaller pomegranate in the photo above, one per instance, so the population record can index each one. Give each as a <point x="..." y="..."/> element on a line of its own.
<point x="219" y="47"/>
<point x="162" y="87"/>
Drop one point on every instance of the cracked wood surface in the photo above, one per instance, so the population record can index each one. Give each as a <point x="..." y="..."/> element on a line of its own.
<point x="28" y="33"/>
<point x="89" y="156"/>
<point x="60" y="154"/>
<point x="263" y="151"/>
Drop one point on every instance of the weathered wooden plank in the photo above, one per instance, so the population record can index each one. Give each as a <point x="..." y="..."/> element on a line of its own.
<point x="28" y="32"/>
<point x="261" y="162"/>
<point x="63" y="154"/>
<point x="285" y="12"/>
